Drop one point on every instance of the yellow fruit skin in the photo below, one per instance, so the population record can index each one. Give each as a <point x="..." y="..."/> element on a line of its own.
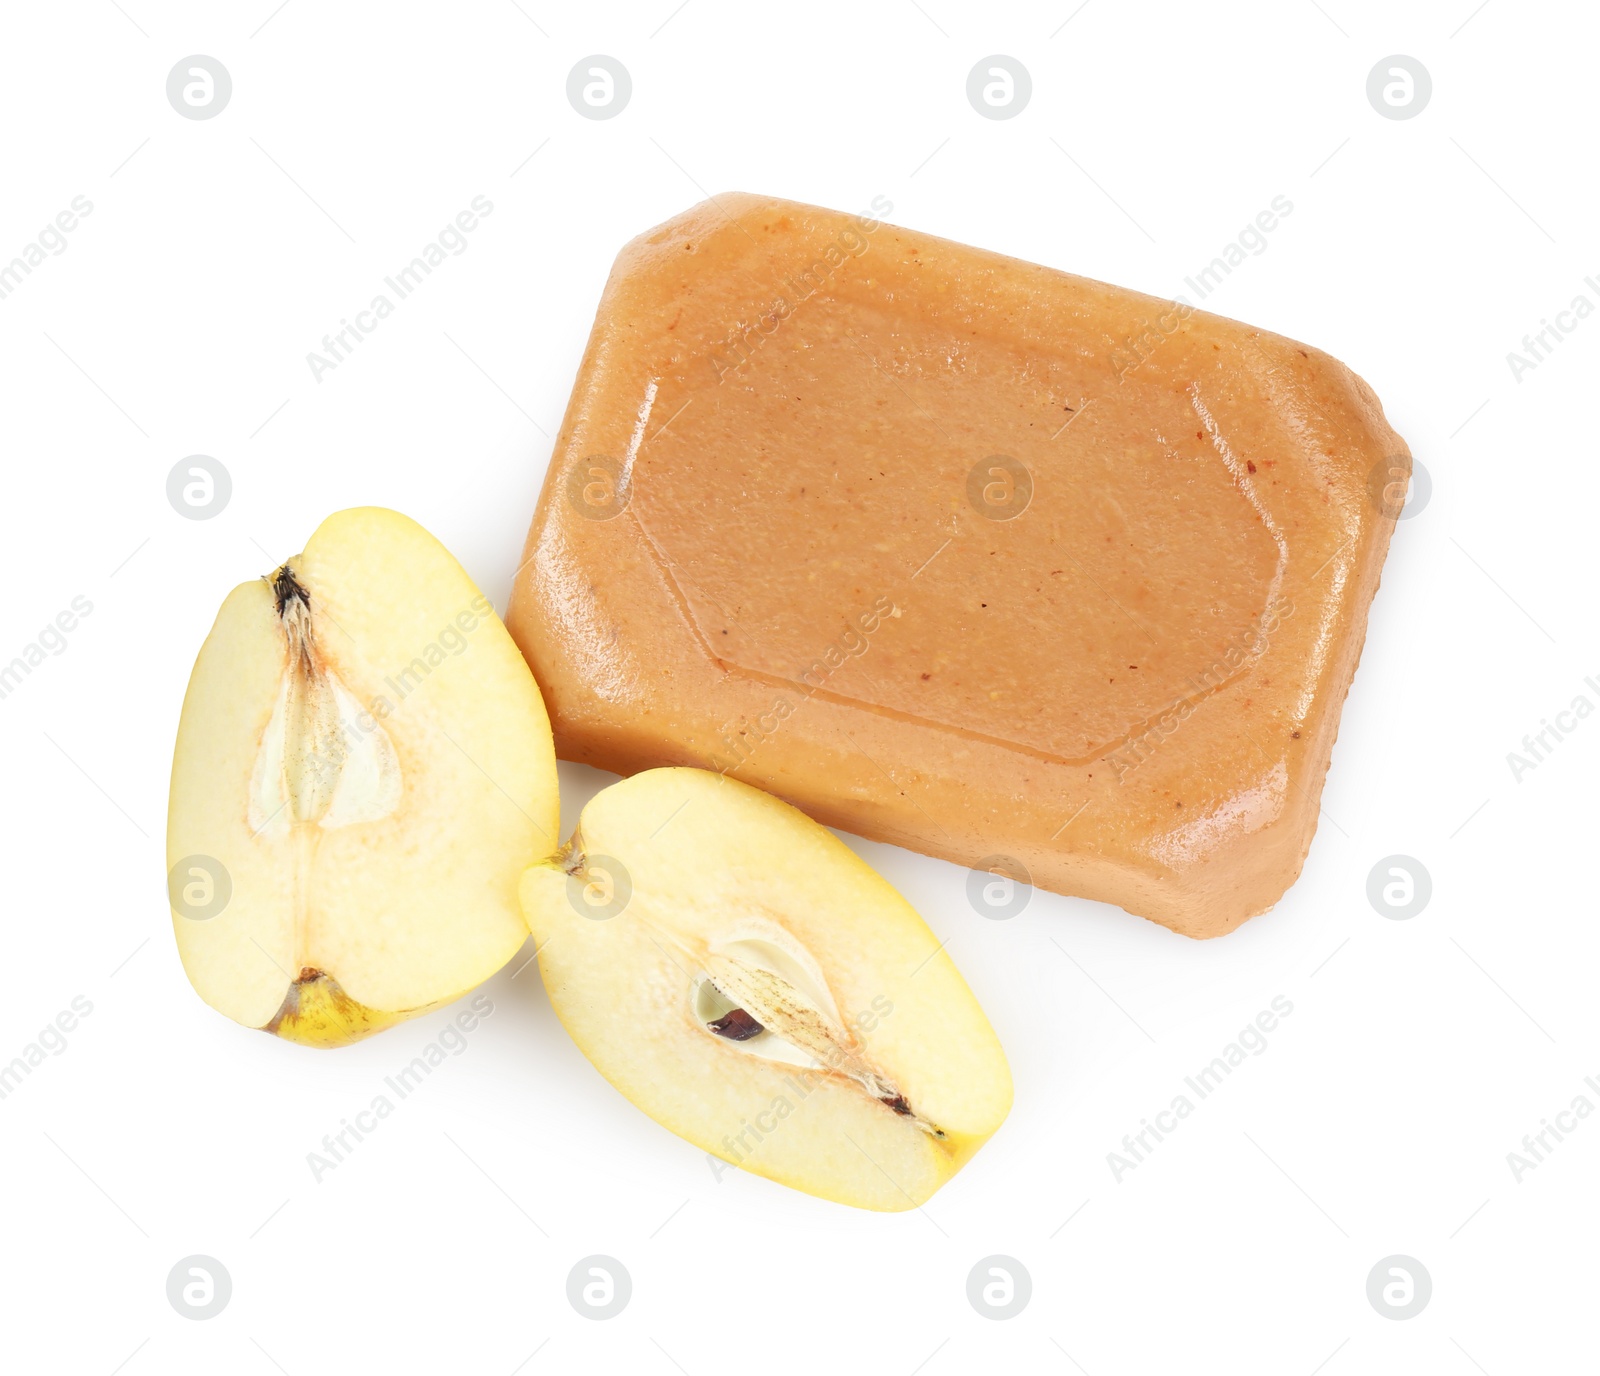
<point x="317" y="1012"/>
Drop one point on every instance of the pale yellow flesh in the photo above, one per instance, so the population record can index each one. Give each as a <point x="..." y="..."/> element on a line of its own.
<point x="404" y="894"/>
<point x="712" y="861"/>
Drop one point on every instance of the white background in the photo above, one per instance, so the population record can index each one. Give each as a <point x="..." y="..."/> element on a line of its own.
<point x="177" y="321"/>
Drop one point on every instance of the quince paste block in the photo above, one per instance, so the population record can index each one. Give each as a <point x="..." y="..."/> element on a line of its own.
<point x="962" y="553"/>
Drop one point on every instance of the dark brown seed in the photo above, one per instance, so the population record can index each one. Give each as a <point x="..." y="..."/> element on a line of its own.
<point x="737" y="1026"/>
<point x="287" y="588"/>
<point x="899" y="1105"/>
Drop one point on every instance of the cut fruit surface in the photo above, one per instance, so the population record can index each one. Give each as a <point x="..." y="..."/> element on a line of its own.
<point x="753" y="985"/>
<point x="363" y="769"/>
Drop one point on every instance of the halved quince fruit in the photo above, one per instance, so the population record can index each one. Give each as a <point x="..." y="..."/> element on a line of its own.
<point x="363" y="770"/>
<point x="754" y="986"/>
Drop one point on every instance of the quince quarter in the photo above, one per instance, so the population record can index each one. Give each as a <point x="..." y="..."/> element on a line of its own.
<point x="749" y="982"/>
<point x="363" y="770"/>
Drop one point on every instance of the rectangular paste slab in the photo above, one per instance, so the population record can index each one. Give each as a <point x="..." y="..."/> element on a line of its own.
<point x="950" y="550"/>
